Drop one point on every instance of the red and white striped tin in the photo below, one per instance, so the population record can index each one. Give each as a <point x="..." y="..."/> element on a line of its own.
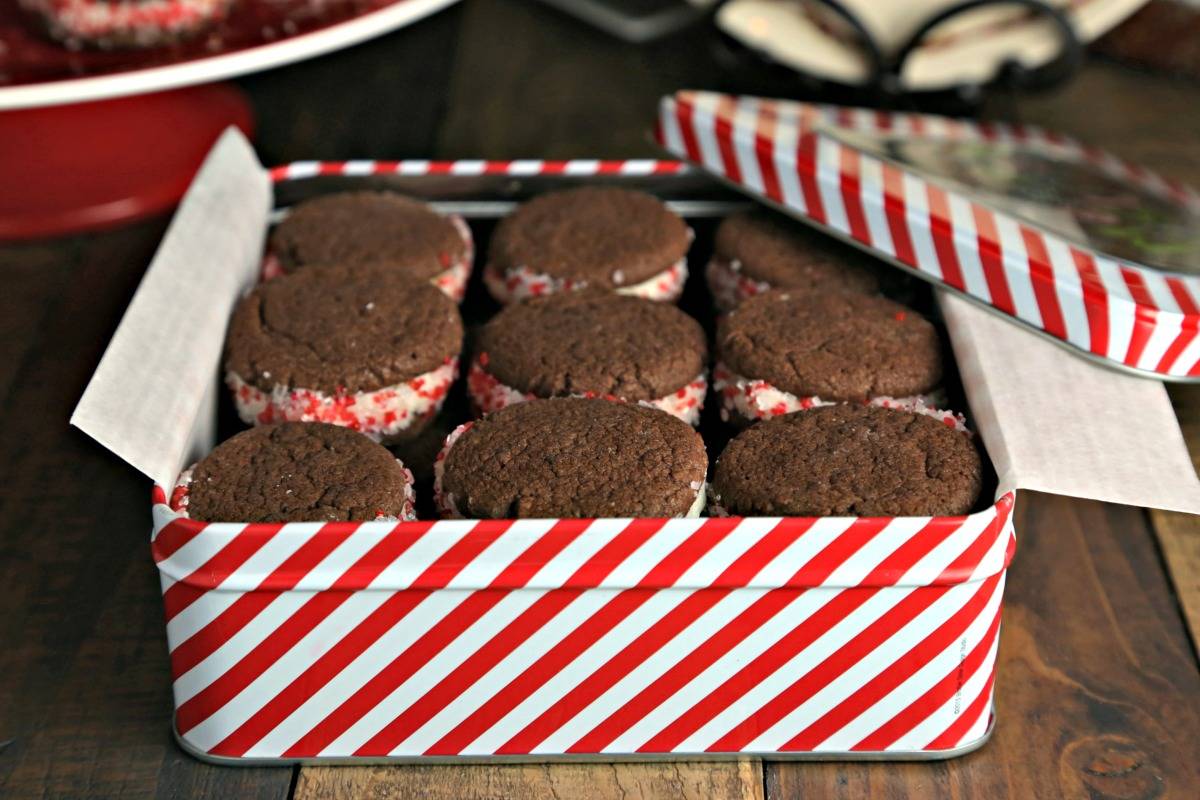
<point x="787" y="153"/>
<point x="559" y="638"/>
<point x="556" y="639"/>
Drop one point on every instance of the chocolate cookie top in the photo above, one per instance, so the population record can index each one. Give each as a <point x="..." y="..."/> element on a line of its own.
<point x="341" y="328"/>
<point x="368" y="227"/>
<point x="836" y="345"/>
<point x="786" y="254"/>
<point x="593" y="341"/>
<point x="571" y="457"/>
<point x="848" y="460"/>
<point x="605" y="236"/>
<point x="297" y="472"/>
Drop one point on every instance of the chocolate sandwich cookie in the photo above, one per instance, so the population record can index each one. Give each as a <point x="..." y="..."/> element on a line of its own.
<point x="374" y="227"/>
<point x="788" y="350"/>
<point x="296" y="472"/>
<point x="617" y="239"/>
<point x="572" y="457"/>
<point x="593" y="343"/>
<point x="111" y="24"/>
<point x="759" y="250"/>
<point x="847" y="460"/>
<point x="353" y="345"/>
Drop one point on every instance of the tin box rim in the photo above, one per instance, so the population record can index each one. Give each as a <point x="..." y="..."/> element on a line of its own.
<point x="585" y="758"/>
<point x="988" y="535"/>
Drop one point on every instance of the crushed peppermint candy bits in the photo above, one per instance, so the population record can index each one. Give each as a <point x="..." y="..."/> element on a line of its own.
<point x="357" y="346"/>
<point x="786" y="350"/>
<point x="111" y="24"/>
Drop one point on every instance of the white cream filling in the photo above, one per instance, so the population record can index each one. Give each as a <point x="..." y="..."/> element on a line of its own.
<point x="379" y="413"/>
<point x="728" y="286"/>
<point x="489" y="394"/>
<point x="753" y="399"/>
<point x="519" y="284"/>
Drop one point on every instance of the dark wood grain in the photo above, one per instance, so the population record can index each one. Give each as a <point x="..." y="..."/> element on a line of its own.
<point x="664" y="780"/>
<point x="382" y="99"/>
<point x="530" y="82"/>
<point x="85" y="697"/>
<point x="1098" y="689"/>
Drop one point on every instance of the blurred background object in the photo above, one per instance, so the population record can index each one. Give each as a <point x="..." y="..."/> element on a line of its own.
<point x="906" y="47"/>
<point x="114" y="68"/>
<point x="636" y="20"/>
<point x="1163" y="35"/>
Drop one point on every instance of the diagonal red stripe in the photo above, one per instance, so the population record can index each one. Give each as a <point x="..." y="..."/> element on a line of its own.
<point x="806" y="172"/>
<point x="890" y="570"/>
<point x="683" y="115"/>
<point x="688" y="666"/>
<point x="174" y="535"/>
<point x="904" y="666"/>
<point x="1145" y="315"/>
<point x="437" y="638"/>
<point x="850" y="183"/>
<point x="1041" y="276"/>
<point x="896" y="211"/>
<point x="764" y="151"/>
<point x="935" y="697"/>
<point x="1095" y="301"/>
<point x="980" y="707"/>
<point x="218" y="568"/>
<point x="225" y="625"/>
<point x="991" y="258"/>
<point x="723" y="123"/>
<point x="942" y="232"/>
<point x="1188" y="326"/>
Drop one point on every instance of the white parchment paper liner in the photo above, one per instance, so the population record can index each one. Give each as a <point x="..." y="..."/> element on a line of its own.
<point x="153" y="399"/>
<point x="1051" y="421"/>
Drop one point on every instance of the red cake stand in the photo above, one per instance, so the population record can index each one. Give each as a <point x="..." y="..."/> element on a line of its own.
<point x="91" y="138"/>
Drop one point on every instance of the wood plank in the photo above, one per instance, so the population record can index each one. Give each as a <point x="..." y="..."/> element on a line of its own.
<point x="639" y="781"/>
<point x="85" y="703"/>
<point x="381" y="99"/>
<point x="1097" y="686"/>
<point x="530" y="82"/>
<point x="1179" y="538"/>
<point x="32" y="273"/>
<point x="1146" y="118"/>
<point x="1179" y="534"/>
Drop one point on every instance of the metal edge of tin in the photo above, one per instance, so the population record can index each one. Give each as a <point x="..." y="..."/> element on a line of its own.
<point x="586" y="758"/>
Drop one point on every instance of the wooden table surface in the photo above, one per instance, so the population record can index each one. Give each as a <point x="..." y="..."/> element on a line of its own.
<point x="1098" y="692"/>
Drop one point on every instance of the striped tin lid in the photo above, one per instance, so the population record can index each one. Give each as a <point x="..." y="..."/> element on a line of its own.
<point x="1055" y="234"/>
